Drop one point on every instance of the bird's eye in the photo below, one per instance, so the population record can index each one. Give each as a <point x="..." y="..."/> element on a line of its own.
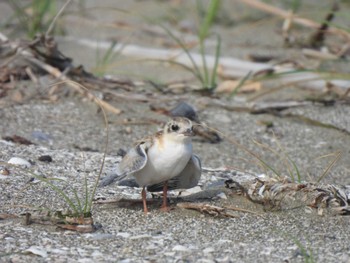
<point x="174" y="127"/>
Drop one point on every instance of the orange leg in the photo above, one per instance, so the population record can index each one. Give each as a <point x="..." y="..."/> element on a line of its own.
<point x="143" y="194"/>
<point x="165" y="207"/>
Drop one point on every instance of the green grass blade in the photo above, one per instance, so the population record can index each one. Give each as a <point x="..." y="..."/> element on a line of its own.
<point x="205" y="68"/>
<point x="240" y="84"/>
<point x="296" y="4"/>
<point x="194" y="73"/>
<point x="216" y="63"/>
<point x="60" y="192"/>
<point x="86" y="204"/>
<point x="336" y="159"/>
<point x="296" y="169"/>
<point x="40" y="9"/>
<point x="109" y="53"/>
<point x="103" y="158"/>
<point x="208" y="19"/>
<point x="186" y="50"/>
<point x="79" y="206"/>
<point x="20" y="14"/>
<point x="264" y="163"/>
<point x="306" y="253"/>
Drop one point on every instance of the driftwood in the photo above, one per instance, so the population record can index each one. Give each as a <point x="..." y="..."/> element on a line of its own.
<point x="7" y="216"/>
<point x="79" y="224"/>
<point x="229" y="67"/>
<point x="296" y="19"/>
<point x="208" y="209"/>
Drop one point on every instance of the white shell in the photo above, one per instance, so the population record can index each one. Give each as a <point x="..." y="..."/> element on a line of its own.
<point x="19" y="161"/>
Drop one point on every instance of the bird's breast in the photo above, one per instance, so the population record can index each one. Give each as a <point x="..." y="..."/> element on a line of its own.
<point x="170" y="155"/>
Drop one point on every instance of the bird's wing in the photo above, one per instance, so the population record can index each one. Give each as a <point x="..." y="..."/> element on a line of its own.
<point x="188" y="178"/>
<point x="133" y="161"/>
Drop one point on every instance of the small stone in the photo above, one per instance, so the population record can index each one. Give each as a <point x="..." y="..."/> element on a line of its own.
<point x="123" y="234"/>
<point x="221" y="195"/>
<point x="128" y="130"/>
<point x="41" y="136"/>
<point x="184" y="109"/>
<point x="208" y="250"/>
<point x="96" y="254"/>
<point x="20" y="162"/>
<point x="37" y="251"/>
<point x="181" y="248"/>
<point x="99" y="236"/>
<point x="191" y="191"/>
<point x="45" y="158"/>
<point x="121" y="152"/>
<point x="145" y="236"/>
<point x="4" y="171"/>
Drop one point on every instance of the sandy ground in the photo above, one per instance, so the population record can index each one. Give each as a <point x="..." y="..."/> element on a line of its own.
<point x="63" y="128"/>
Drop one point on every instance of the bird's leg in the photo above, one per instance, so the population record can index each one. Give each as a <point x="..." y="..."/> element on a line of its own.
<point x="165" y="207"/>
<point x="143" y="194"/>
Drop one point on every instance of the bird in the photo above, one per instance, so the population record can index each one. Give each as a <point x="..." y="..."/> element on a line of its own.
<point x="164" y="161"/>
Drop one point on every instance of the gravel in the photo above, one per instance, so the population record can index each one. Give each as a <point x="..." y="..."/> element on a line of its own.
<point x="125" y="234"/>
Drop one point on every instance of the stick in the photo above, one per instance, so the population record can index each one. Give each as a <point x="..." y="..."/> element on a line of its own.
<point x="58" y="74"/>
<point x="296" y="19"/>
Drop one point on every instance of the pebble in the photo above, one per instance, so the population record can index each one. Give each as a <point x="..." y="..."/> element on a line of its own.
<point x="145" y="236"/>
<point x="19" y="161"/>
<point x="123" y="234"/>
<point x="181" y="248"/>
<point x="96" y="253"/>
<point x="4" y="171"/>
<point x="191" y="191"/>
<point x="99" y="236"/>
<point x="208" y="250"/>
<point x="41" y="136"/>
<point x="184" y="109"/>
<point x="45" y="158"/>
<point x="37" y="251"/>
<point x="221" y="195"/>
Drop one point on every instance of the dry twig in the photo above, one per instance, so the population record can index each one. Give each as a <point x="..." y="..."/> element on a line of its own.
<point x="296" y="19"/>
<point x="207" y="209"/>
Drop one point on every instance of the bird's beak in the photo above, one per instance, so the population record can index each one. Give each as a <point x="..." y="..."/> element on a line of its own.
<point x="188" y="132"/>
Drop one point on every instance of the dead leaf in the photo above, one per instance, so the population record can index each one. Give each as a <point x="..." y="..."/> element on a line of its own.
<point x="207" y="209"/>
<point x="7" y="216"/>
<point x="228" y="86"/>
<point x="17" y="139"/>
<point x="17" y="96"/>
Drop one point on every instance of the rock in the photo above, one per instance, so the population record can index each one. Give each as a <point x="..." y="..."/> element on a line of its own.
<point x="37" y="251"/>
<point x="45" y="158"/>
<point x="123" y="234"/>
<point x="181" y="248"/>
<point x="41" y="136"/>
<point x="208" y="250"/>
<point x="191" y="191"/>
<point x="221" y="195"/>
<point x="4" y="171"/>
<point x="99" y="236"/>
<point x="184" y="109"/>
<point x="20" y="162"/>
